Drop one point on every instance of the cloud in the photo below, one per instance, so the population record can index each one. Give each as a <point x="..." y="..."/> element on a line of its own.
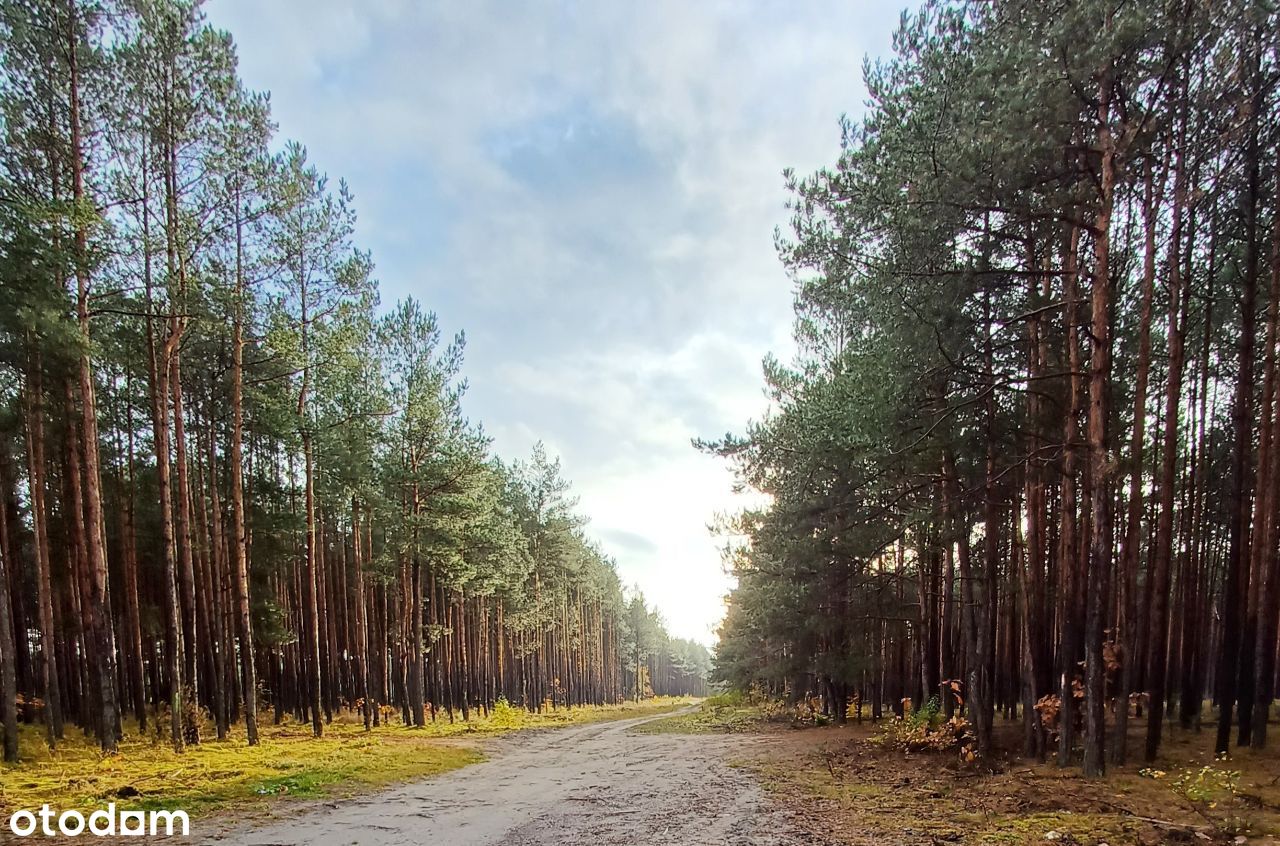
<point x="590" y="190"/>
<point x="629" y="542"/>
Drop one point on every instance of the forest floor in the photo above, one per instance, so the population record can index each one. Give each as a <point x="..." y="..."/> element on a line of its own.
<point x="218" y="777"/>
<point x="843" y="785"/>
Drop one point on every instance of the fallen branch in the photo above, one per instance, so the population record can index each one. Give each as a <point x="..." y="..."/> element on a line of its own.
<point x="1153" y="821"/>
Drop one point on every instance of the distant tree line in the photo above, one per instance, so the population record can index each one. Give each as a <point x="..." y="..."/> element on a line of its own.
<point x="229" y="480"/>
<point x="1030" y="444"/>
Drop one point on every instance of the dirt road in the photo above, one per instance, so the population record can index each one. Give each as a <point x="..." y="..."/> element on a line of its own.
<point x="591" y="785"/>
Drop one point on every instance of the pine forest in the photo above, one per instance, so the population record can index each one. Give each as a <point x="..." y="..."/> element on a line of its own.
<point x="1026" y="460"/>
<point x="235" y="486"/>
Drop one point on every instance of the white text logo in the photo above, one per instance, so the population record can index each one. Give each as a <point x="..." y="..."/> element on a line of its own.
<point x="104" y="822"/>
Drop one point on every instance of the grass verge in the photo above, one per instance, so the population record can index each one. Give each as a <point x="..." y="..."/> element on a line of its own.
<point x="723" y="714"/>
<point x="222" y="775"/>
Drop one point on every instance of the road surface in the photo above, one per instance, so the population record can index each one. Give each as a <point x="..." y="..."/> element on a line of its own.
<point x="591" y="785"/>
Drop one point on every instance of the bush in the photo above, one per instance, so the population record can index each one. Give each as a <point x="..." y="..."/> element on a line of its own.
<point x="728" y="699"/>
<point x="506" y="715"/>
<point x="1207" y="785"/>
<point x="927" y="730"/>
<point x="1214" y="793"/>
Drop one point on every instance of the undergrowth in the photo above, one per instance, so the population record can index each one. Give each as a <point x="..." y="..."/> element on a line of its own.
<point x="928" y="730"/>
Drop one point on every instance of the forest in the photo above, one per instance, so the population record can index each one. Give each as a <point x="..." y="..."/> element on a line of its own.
<point x="1026" y="458"/>
<point x="235" y="486"/>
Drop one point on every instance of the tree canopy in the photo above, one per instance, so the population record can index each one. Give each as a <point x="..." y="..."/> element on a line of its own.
<point x="230" y="476"/>
<point x="1026" y="451"/>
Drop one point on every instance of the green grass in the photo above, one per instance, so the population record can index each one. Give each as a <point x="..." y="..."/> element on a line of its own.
<point x="148" y="774"/>
<point x="722" y="714"/>
<point x="219" y="775"/>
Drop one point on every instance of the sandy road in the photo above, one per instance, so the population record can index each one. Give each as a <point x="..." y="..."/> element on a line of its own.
<point x="596" y="784"/>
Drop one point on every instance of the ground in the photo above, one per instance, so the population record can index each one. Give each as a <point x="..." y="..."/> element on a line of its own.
<point x="222" y="777"/>
<point x="593" y="785"/>
<point x="725" y="772"/>
<point x="846" y="785"/>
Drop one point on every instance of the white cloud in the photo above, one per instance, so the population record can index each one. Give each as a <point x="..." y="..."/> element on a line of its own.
<point x="590" y="190"/>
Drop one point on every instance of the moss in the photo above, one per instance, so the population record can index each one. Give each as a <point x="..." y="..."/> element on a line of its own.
<point x="1022" y="829"/>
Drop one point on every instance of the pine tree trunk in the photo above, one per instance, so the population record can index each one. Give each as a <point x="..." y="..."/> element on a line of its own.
<point x="239" y="528"/>
<point x="33" y="396"/>
<point x="1161" y="565"/>
<point x="311" y="590"/>
<point x="1266" y="525"/>
<point x="1100" y="499"/>
<point x="1068" y="557"/>
<point x="209" y="515"/>
<point x="191" y="636"/>
<point x="1231" y="669"/>
<point x="132" y="611"/>
<point x="99" y="603"/>
<point x="1129" y="553"/>
<point x="8" y="652"/>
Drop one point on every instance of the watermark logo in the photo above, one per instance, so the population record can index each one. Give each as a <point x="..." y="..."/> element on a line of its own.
<point x="104" y="822"/>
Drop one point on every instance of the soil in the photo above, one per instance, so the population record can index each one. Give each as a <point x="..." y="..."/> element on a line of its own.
<point x="591" y="785"/>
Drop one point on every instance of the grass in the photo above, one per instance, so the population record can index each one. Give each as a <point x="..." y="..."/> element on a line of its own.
<point x="147" y="773"/>
<point x="289" y="762"/>
<point x="722" y="714"/>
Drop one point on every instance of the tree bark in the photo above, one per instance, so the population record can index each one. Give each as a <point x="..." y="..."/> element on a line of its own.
<point x="99" y="603"/>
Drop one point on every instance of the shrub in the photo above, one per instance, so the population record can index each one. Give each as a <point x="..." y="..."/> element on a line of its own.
<point x="928" y="730"/>
<point x="1207" y="785"/>
<point x="728" y="699"/>
<point x="1214" y="793"/>
<point x="506" y="715"/>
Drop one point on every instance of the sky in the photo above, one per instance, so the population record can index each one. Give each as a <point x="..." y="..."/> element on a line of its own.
<point x="590" y="191"/>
